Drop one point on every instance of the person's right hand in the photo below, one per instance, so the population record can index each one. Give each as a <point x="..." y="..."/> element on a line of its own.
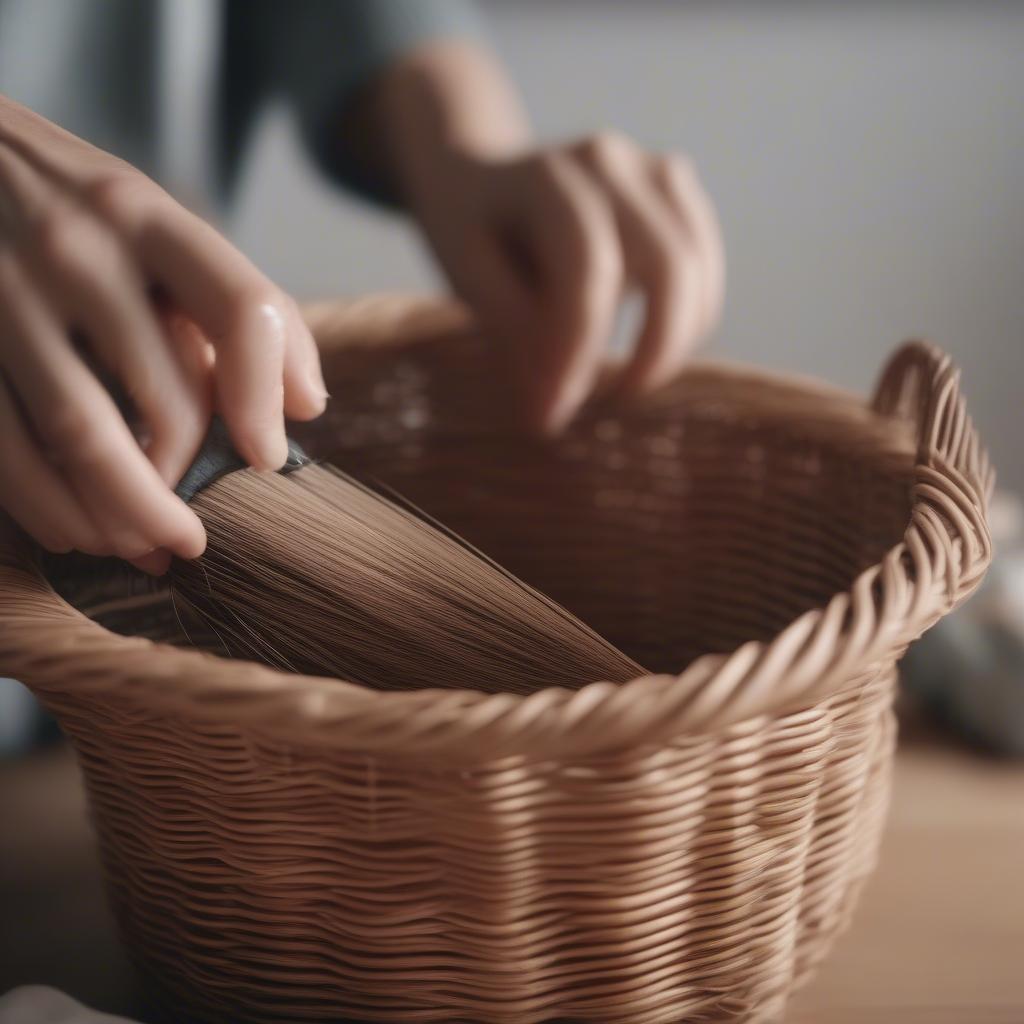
<point x="87" y="243"/>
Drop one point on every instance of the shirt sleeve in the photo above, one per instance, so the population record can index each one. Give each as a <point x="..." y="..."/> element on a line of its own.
<point x="324" y="51"/>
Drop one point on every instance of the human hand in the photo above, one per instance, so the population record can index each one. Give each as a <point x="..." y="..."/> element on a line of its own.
<point x="543" y="243"/>
<point x="544" y="246"/>
<point x="86" y="242"/>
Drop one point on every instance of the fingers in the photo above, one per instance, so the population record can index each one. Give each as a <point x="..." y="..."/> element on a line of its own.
<point x="94" y="285"/>
<point x="34" y="495"/>
<point x="485" y="269"/>
<point x="688" y="202"/>
<point x="659" y="257"/>
<point x="83" y="238"/>
<point x="579" y="280"/>
<point x="305" y="393"/>
<point x="267" y="360"/>
<point x="574" y="229"/>
<point x="81" y="434"/>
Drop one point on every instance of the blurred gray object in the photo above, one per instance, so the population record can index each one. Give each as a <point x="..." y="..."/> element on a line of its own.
<point x="22" y="721"/>
<point x="969" y="670"/>
<point x="35" y="1004"/>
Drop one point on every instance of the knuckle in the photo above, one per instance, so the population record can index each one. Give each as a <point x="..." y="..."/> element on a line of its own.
<point x="175" y="420"/>
<point x="609" y="150"/>
<point x="119" y="196"/>
<point x="61" y="236"/>
<point x="551" y="171"/>
<point x="260" y="311"/>
<point x="677" y="174"/>
<point x="292" y="312"/>
<point x="680" y="166"/>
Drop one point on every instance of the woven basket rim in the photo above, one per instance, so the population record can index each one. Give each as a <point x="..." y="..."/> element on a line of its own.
<point x="941" y="558"/>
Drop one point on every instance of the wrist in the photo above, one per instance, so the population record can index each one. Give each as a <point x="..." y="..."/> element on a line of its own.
<point x="443" y="112"/>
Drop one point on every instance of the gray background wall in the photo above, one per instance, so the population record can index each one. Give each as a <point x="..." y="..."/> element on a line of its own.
<point x="867" y="160"/>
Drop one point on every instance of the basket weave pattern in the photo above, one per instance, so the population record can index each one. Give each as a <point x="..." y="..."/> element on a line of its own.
<point x="680" y="848"/>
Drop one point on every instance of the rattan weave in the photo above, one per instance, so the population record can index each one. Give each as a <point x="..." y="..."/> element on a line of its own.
<point x="683" y="847"/>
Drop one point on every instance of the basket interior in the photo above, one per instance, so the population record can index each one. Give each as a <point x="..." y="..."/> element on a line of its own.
<point x="708" y="515"/>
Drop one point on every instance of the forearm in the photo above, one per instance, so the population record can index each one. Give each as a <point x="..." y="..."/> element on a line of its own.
<point x="444" y="102"/>
<point x="540" y="242"/>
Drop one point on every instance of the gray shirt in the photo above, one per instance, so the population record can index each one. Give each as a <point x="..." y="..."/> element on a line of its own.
<point x="174" y="86"/>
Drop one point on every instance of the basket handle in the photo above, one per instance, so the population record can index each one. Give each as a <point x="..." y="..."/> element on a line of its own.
<point x="919" y="383"/>
<point x="953" y="479"/>
<point x="943" y="555"/>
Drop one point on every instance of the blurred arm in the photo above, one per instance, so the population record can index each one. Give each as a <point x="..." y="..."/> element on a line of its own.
<point x="323" y="54"/>
<point x="541" y="241"/>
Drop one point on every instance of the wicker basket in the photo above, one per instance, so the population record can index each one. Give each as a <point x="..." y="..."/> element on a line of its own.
<point x="681" y="848"/>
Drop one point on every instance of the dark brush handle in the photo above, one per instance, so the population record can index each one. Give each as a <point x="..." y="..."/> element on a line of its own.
<point x="217" y="457"/>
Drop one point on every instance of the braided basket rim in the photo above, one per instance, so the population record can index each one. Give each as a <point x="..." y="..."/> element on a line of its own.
<point x="939" y="561"/>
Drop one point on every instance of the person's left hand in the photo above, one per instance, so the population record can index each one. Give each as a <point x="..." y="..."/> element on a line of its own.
<point x="544" y="246"/>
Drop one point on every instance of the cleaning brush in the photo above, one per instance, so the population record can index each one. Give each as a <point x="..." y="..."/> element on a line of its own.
<point x="311" y="571"/>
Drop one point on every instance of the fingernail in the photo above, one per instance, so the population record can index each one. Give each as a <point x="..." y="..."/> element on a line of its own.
<point x="315" y="377"/>
<point x="320" y="398"/>
<point x="272" y="451"/>
<point x="193" y="542"/>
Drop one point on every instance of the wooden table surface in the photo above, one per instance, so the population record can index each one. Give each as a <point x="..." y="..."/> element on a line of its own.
<point x="938" y="937"/>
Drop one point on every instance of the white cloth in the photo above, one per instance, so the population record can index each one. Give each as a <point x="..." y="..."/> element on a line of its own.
<point x="35" y="1004"/>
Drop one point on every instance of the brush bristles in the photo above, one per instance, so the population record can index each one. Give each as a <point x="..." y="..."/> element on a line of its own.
<point x="316" y="574"/>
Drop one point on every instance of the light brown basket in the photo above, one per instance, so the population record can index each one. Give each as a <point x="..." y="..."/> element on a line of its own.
<point x="681" y="848"/>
